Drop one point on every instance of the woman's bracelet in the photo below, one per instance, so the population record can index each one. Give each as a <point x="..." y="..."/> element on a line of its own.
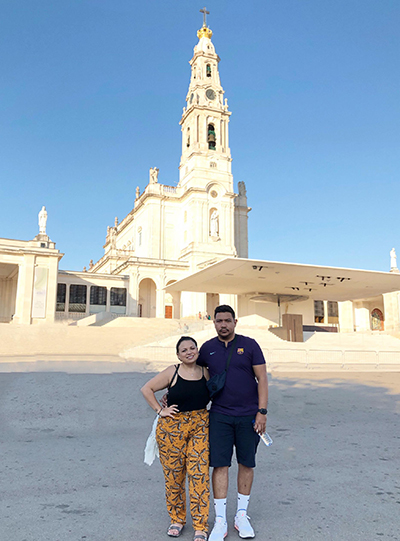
<point x="158" y="413"/>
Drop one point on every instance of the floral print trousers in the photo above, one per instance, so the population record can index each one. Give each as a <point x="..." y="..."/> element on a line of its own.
<point x="183" y="446"/>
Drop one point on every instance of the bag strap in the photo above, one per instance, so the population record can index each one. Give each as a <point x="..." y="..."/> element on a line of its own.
<point x="173" y="377"/>
<point x="230" y="354"/>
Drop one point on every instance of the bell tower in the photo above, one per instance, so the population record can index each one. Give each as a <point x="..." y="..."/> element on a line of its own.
<point x="205" y="120"/>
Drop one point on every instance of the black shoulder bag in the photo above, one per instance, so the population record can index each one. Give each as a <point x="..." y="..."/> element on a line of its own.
<point x="217" y="382"/>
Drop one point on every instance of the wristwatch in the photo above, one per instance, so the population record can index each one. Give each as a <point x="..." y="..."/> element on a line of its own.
<point x="263" y="411"/>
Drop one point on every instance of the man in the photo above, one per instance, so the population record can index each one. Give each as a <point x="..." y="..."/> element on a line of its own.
<point x="238" y="414"/>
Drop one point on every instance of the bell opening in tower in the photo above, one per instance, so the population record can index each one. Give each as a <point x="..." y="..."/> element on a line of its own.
<point x="211" y="137"/>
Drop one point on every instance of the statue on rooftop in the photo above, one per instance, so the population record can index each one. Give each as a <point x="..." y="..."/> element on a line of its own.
<point x="242" y="188"/>
<point x="393" y="259"/>
<point x="42" y="221"/>
<point x="154" y="175"/>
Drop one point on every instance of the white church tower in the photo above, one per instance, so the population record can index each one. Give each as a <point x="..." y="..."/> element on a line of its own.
<point x="217" y="218"/>
<point x="174" y="231"/>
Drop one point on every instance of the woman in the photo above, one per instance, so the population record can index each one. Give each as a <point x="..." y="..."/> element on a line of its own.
<point x="182" y="437"/>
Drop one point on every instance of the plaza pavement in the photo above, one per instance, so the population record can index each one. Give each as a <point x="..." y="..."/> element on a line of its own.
<point x="72" y="457"/>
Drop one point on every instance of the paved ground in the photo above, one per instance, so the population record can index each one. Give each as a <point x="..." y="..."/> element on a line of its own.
<point x="72" y="459"/>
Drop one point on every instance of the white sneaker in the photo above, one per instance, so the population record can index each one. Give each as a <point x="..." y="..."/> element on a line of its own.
<point x="220" y="530"/>
<point x="243" y="526"/>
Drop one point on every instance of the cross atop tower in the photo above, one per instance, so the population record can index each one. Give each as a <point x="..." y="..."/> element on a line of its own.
<point x="205" y="13"/>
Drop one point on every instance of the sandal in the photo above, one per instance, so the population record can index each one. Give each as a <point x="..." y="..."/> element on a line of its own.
<point x="200" y="537"/>
<point x="175" y="527"/>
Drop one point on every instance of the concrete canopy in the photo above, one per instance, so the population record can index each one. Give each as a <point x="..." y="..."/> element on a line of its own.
<point x="266" y="281"/>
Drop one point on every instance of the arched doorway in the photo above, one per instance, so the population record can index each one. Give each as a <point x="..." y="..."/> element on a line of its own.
<point x="172" y="303"/>
<point x="147" y="298"/>
<point x="377" y="320"/>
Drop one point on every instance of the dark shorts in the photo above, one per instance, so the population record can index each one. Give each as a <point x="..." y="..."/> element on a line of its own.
<point x="228" y="431"/>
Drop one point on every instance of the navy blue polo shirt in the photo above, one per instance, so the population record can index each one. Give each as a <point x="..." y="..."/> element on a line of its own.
<point x="240" y="394"/>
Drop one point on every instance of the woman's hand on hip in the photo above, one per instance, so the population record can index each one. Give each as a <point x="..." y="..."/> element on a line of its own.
<point x="169" y="411"/>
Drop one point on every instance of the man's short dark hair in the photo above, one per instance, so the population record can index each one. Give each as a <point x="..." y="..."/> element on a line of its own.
<point x="224" y="308"/>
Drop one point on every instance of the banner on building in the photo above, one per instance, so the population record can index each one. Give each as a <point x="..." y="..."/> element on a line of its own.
<point x="40" y="292"/>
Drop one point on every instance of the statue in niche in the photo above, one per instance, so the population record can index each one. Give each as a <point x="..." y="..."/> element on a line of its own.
<point x="42" y="221"/>
<point x="154" y="175"/>
<point x="242" y="188"/>
<point x="214" y="224"/>
<point x="393" y="259"/>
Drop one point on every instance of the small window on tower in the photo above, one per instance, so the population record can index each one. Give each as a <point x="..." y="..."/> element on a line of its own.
<point x="188" y="138"/>
<point x="208" y="70"/>
<point x="211" y="137"/>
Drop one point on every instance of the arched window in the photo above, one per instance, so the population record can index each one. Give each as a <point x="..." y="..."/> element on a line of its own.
<point x="208" y="70"/>
<point x="377" y="320"/>
<point x="188" y="138"/>
<point x="211" y="137"/>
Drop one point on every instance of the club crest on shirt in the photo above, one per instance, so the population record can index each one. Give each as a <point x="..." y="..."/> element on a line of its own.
<point x="240" y="351"/>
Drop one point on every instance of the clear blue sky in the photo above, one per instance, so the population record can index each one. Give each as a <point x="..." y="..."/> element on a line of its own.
<point x="92" y="92"/>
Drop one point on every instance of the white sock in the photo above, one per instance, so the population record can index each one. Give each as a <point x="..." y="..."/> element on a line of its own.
<point x="220" y="508"/>
<point x="242" y="503"/>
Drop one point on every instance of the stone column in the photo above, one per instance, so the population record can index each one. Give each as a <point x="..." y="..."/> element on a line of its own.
<point x="108" y="299"/>
<point x="362" y="318"/>
<point x="132" y="302"/>
<point x="391" y="311"/>
<point x="346" y="317"/>
<point x="25" y="290"/>
<point x="160" y="296"/>
<point x="231" y="300"/>
<point x="52" y="290"/>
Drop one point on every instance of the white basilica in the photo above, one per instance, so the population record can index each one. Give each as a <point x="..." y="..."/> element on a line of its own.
<point x="182" y="250"/>
<point x="175" y="231"/>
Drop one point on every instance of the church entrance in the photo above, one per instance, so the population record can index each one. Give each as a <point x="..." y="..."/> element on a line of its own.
<point x="377" y="320"/>
<point x="8" y="291"/>
<point x="172" y="303"/>
<point x="147" y="298"/>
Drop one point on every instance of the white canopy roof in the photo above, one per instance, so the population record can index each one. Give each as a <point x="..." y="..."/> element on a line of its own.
<point x="265" y="281"/>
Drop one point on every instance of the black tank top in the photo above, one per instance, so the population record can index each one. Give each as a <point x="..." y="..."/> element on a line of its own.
<point x="188" y="395"/>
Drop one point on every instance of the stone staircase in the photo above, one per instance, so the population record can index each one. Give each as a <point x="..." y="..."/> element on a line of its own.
<point x="107" y="340"/>
<point x="150" y="345"/>
<point x="322" y="351"/>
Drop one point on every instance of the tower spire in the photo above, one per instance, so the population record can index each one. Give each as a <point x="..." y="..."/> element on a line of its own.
<point x="205" y="13"/>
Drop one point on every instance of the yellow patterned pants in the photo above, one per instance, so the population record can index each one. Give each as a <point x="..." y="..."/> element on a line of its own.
<point x="183" y="446"/>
